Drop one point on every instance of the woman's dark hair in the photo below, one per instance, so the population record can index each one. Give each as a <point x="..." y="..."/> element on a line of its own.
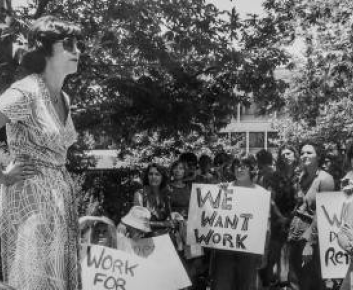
<point x="320" y="152"/>
<point x="221" y="159"/>
<point x="160" y="169"/>
<point x="264" y="157"/>
<point x="247" y="159"/>
<point x="204" y="161"/>
<point x="280" y="165"/>
<point x="43" y="33"/>
<point x="175" y="164"/>
<point x="189" y="158"/>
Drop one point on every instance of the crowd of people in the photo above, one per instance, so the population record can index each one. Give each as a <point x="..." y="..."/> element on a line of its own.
<point x="291" y="257"/>
<point x="39" y="224"/>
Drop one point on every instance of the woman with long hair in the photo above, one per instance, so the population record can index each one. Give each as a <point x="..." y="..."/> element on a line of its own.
<point x="304" y="259"/>
<point x="179" y="189"/>
<point x="283" y="185"/>
<point x="345" y="234"/>
<point x="155" y="196"/>
<point x="39" y="223"/>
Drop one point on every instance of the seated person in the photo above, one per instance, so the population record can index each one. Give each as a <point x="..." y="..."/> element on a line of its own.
<point x="98" y="231"/>
<point x="205" y="174"/>
<point x="136" y="224"/>
<point x="132" y="228"/>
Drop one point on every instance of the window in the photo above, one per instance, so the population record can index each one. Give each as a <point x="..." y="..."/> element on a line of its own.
<point x="256" y="140"/>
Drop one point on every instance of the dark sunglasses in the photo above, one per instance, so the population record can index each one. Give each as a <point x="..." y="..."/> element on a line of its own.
<point x="70" y="43"/>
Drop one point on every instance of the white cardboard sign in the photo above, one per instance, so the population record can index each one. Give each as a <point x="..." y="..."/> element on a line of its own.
<point x="233" y="218"/>
<point x="105" y="268"/>
<point x="159" y="250"/>
<point x="330" y="207"/>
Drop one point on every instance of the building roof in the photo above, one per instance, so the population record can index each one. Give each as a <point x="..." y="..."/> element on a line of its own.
<point x="248" y="126"/>
<point x="106" y="159"/>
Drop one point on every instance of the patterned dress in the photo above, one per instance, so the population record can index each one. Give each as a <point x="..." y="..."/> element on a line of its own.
<point x="38" y="220"/>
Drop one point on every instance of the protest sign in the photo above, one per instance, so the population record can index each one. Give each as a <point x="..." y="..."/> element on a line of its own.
<point x="159" y="250"/>
<point x="105" y="268"/>
<point x="330" y="208"/>
<point x="233" y="218"/>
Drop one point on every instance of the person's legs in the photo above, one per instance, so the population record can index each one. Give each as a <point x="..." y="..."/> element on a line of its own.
<point x="295" y="267"/>
<point x="224" y="270"/>
<point x="304" y="276"/>
<point x="314" y="277"/>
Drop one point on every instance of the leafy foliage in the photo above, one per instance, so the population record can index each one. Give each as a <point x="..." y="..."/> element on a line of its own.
<point x="319" y="98"/>
<point x="170" y="71"/>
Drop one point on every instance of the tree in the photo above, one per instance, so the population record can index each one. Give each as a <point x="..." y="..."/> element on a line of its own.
<point x="170" y="71"/>
<point x="166" y="65"/>
<point x="319" y="99"/>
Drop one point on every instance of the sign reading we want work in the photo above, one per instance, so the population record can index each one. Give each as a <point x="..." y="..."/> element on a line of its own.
<point x="330" y="209"/>
<point x="233" y="218"/>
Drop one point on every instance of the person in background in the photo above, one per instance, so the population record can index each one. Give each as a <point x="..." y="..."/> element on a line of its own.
<point x="179" y="190"/>
<point x="133" y="227"/>
<point x="39" y="222"/>
<point x="333" y="166"/>
<point x="155" y="196"/>
<point x="221" y="163"/>
<point x="236" y="270"/>
<point x="346" y="183"/>
<point x="97" y="230"/>
<point x="265" y="169"/>
<point x="135" y="224"/>
<point x="190" y="162"/>
<point x="180" y="198"/>
<point x="304" y="259"/>
<point x="283" y="185"/>
<point x="345" y="234"/>
<point x="205" y="174"/>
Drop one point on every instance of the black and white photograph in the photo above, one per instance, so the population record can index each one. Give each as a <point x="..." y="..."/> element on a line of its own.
<point x="176" y="145"/>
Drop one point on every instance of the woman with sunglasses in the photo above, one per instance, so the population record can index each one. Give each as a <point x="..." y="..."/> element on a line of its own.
<point x="38" y="213"/>
<point x="236" y="270"/>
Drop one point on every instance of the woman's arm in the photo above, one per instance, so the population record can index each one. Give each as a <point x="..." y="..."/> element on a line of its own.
<point x="15" y="107"/>
<point x="345" y="234"/>
<point x="3" y="120"/>
<point x="138" y="198"/>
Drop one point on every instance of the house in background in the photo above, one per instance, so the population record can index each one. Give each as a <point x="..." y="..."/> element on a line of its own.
<point x="250" y="131"/>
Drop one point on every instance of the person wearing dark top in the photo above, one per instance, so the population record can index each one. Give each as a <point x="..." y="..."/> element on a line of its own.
<point x="237" y="270"/>
<point x="283" y="185"/>
<point x="304" y="258"/>
<point x="205" y="175"/>
<point x="179" y="190"/>
<point x="265" y="170"/>
<point x="222" y="163"/>
<point x="190" y="162"/>
<point x="155" y="196"/>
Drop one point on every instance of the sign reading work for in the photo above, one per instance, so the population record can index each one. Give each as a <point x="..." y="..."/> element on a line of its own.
<point x="232" y="218"/>
<point x="105" y="268"/>
<point x="161" y="251"/>
<point x="330" y="210"/>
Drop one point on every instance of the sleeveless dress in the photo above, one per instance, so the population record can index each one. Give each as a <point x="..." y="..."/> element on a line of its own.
<point x="38" y="219"/>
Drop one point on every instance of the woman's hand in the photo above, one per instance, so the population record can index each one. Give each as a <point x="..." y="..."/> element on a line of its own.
<point x="18" y="171"/>
<point x="307" y="254"/>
